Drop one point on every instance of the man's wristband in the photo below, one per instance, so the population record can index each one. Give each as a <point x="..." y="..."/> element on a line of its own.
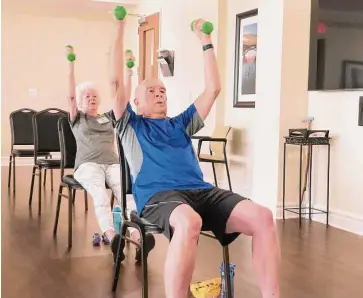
<point x="207" y="47"/>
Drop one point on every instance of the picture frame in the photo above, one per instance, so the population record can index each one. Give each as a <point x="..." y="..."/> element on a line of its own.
<point x="352" y="74"/>
<point x="245" y="59"/>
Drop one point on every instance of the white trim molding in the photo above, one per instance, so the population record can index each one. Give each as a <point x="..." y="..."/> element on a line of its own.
<point x="346" y="221"/>
<point x="23" y="161"/>
<point x="20" y="161"/>
<point x="342" y="220"/>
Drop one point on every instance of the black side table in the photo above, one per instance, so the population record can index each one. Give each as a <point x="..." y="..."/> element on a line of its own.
<point x="310" y="138"/>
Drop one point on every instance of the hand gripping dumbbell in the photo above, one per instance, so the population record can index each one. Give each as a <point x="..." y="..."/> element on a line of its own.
<point x="206" y="27"/>
<point x="70" y="54"/>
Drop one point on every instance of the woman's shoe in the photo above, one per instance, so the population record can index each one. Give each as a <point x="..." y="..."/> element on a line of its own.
<point x="96" y="239"/>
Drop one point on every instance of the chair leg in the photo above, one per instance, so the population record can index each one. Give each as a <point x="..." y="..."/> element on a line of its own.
<point x="51" y="179"/>
<point x="227" y="272"/>
<point x="85" y="201"/>
<point x="45" y="173"/>
<point x="9" y="176"/>
<point x="118" y="259"/>
<point x="70" y="205"/>
<point x="145" y="285"/>
<point x="14" y="187"/>
<point x="214" y="174"/>
<point x="32" y="186"/>
<point x="228" y="176"/>
<point x="40" y="191"/>
<point x="58" y="209"/>
<point x="51" y="176"/>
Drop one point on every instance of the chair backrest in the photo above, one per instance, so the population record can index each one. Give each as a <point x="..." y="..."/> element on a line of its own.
<point x="126" y="184"/>
<point x="45" y="127"/>
<point x="21" y="127"/>
<point x="67" y="143"/>
<point x="218" y="147"/>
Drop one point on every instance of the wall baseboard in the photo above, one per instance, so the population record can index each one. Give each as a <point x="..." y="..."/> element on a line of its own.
<point x="346" y="221"/>
<point x="23" y="161"/>
<point x="288" y="215"/>
<point x="20" y="161"/>
<point x="342" y="220"/>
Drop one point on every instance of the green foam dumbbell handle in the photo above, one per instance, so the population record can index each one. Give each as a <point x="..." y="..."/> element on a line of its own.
<point x="71" y="57"/>
<point x="192" y="26"/>
<point x="130" y="63"/>
<point x="120" y="12"/>
<point x="207" y="27"/>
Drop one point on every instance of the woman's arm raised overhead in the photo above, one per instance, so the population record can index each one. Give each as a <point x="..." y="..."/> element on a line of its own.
<point x="118" y="66"/>
<point x="72" y="102"/>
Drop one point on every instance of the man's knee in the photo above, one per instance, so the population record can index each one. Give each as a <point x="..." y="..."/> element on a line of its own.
<point x="265" y="218"/>
<point x="186" y="221"/>
<point x="249" y="218"/>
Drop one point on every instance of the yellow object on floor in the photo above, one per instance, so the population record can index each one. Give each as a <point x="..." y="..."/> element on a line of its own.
<point x="206" y="289"/>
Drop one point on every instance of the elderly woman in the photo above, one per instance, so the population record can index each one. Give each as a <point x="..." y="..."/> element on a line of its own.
<point x="97" y="163"/>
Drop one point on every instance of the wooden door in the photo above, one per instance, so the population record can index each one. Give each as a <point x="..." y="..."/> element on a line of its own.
<point x="148" y="46"/>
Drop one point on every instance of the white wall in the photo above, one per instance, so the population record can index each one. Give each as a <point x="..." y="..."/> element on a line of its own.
<point x="33" y="57"/>
<point x="175" y="34"/>
<point x="241" y="140"/>
<point x="338" y="112"/>
<point x="255" y="147"/>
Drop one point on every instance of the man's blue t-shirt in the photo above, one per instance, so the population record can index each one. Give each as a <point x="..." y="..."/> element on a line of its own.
<point x="160" y="153"/>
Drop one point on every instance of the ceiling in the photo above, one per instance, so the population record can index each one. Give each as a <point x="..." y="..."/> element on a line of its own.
<point x="71" y="8"/>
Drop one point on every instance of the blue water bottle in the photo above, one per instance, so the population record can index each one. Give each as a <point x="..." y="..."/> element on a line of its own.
<point x="223" y="280"/>
<point x="117" y="219"/>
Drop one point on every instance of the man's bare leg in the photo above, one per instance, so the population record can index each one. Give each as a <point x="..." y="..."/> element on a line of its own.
<point x="252" y="219"/>
<point x="180" y="259"/>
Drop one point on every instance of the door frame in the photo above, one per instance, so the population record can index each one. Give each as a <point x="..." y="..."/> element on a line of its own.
<point x="142" y="28"/>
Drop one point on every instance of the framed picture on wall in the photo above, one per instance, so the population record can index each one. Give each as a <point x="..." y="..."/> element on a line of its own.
<point x="353" y="74"/>
<point x="245" y="59"/>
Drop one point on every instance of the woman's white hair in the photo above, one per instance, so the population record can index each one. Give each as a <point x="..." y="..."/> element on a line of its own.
<point x="81" y="89"/>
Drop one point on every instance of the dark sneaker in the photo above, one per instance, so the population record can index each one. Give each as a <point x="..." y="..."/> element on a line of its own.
<point x="150" y="244"/>
<point x="96" y="239"/>
<point x="105" y="240"/>
<point x="114" y="246"/>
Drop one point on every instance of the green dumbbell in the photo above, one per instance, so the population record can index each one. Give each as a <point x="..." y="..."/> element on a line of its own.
<point x="207" y="27"/>
<point x="130" y="63"/>
<point x="120" y="12"/>
<point x="70" y="56"/>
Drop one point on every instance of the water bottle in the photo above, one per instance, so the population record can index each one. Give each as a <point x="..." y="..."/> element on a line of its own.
<point x="117" y="219"/>
<point x="223" y="280"/>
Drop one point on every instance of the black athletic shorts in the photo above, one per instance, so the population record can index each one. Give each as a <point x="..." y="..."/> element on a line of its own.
<point x="214" y="205"/>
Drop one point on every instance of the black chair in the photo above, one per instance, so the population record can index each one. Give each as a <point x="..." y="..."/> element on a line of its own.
<point x="217" y="150"/>
<point x="144" y="227"/>
<point x="45" y="140"/>
<point x="22" y="135"/>
<point x="68" y="149"/>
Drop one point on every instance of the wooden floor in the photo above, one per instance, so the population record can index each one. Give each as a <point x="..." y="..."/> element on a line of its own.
<point x="316" y="262"/>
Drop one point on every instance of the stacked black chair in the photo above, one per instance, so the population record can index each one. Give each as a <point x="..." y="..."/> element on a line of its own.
<point x="144" y="227"/>
<point x="68" y="149"/>
<point x="22" y="135"/>
<point x="45" y="140"/>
